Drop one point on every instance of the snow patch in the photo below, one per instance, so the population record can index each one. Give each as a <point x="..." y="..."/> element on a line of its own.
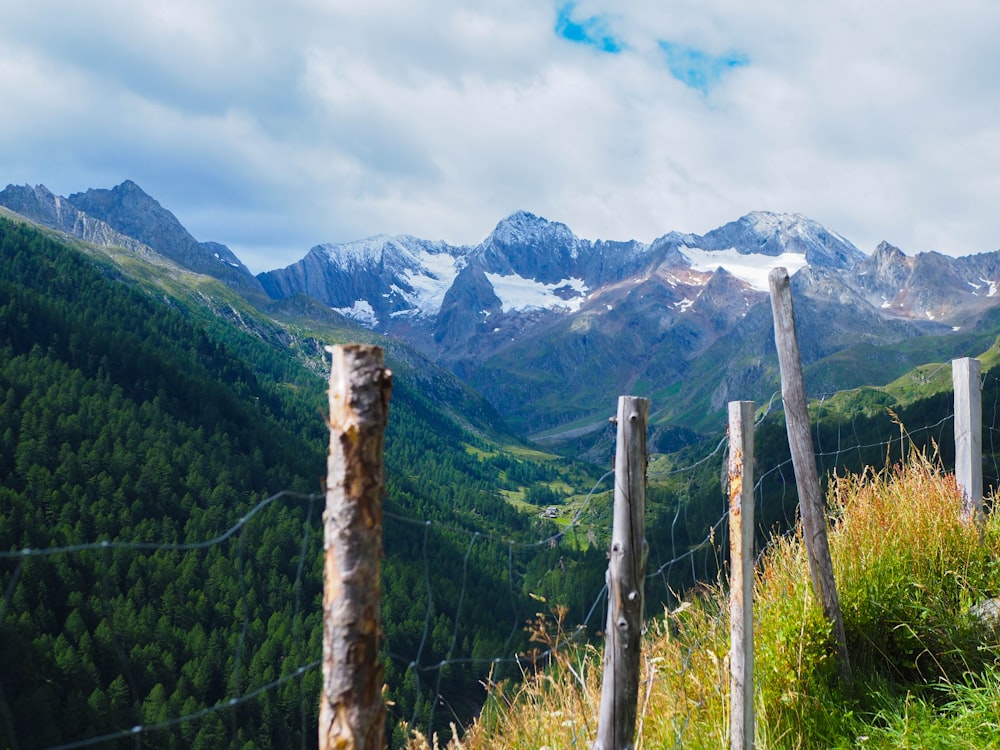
<point x="436" y="275"/>
<point x="227" y="262"/>
<point x="357" y="254"/>
<point x="361" y="311"/>
<point x="753" y="269"/>
<point x="518" y="293"/>
<point x="427" y="270"/>
<point x="684" y="304"/>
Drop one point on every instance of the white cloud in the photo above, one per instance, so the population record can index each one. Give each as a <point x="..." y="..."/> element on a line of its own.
<point x="276" y="127"/>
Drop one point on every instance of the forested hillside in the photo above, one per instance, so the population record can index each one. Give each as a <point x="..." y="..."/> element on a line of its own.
<point x="162" y="456"/>
<point x="853" y="431"/>
<point x="142" y="442"/>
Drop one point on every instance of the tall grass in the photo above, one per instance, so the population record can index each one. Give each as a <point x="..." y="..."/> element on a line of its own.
<point x="909" y="573"/>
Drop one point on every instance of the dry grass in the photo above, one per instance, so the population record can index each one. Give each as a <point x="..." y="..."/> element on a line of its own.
<point x="908" y="571"/>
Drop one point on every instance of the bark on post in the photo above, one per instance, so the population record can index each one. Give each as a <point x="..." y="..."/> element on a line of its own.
<point x="626" y="578"/>
<point x="969" y="436"/>
<point x="352" y="709"/>
<point x="793" y="395"/>
<point x="741" y="716"/>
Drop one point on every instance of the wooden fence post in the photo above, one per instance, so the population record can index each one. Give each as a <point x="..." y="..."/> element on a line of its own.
<point x="965" y="376"/>
<point x="352" y="709"/>
<point x="793" y="395"/>
<point x="626" y="578"/>
<point x="741" y="559"/>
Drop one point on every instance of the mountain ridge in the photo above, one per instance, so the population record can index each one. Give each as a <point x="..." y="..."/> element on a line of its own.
<point x="546" y="324"/>
<point x="126" y="216"/>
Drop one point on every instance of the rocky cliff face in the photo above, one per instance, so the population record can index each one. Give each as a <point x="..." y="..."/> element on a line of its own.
<point x="40" y="205"/>
<point x="127" y="217"/>
<point x="130" y="211"/>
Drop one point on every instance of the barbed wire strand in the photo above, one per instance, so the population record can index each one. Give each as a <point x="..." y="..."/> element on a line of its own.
<point x="223" y="705"/>
<point x="238" y="697"/>
<point x="157" y="546"/>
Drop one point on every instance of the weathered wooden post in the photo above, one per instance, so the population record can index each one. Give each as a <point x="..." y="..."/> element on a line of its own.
<point x="793" y="394"/>
<point x="965" y="375"/>
<point x="626" y="578"/>
<point x="352" y="709"/>
<point x="741" y="716"/>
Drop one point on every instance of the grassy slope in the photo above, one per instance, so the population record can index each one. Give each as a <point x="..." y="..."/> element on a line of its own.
<point x="926" y="673"/>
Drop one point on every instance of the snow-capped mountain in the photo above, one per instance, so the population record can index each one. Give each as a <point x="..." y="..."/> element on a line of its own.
<point x="464" y="303"/>
<point x="551" y="327"/>
<point x="542" y="321"/>
<point x="375" y="281"/>
<point x="530" y="263"/>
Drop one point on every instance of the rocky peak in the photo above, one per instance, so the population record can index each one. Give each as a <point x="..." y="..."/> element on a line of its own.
<point x="529" y="246"/>
<point x="36" y="203"/>
<point x="523" y="227"/>
<point x="129" y="210"/>
<point x="726" y="299"/>
<point x="385" y="253"/>
<point x="42" y="206"/>
<point x="887" y="267"/>
<point x="774" y="234"/>
<point x="885" y="256"/>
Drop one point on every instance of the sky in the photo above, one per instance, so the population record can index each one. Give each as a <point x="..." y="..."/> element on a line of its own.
<point x="275" y="126"/>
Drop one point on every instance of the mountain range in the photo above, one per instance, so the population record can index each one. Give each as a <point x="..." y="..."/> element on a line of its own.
<point x="551" y="328"/>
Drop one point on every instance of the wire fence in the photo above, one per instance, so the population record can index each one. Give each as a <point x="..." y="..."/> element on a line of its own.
<point x="687" y="546"/>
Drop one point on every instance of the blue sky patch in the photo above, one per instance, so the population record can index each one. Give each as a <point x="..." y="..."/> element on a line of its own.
<point x="592" y="32"/>
<point x="696" y="68"/>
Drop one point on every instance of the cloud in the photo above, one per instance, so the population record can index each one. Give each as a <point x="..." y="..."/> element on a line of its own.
<point x="273" y="128"/>
<point x="697" y="69"/>
<point x="591" y="31"/>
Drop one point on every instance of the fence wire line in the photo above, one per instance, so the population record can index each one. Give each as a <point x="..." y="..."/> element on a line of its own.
<point x="238" y="696"/>
<point x="707" y="541"/>
<point x="169" y="723"/>
<point x="159" y="546"/>
<point x="27" y="552"/>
